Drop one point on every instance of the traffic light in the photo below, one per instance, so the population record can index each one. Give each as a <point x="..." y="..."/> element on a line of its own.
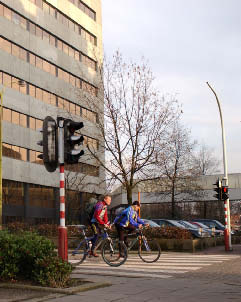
<point x="50" y="144"/>
<point x="225" y="193"/>
<point x="218" y="190"/>
<point x="72" y="151"/>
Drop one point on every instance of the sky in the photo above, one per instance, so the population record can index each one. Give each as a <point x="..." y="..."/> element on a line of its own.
<point x="187" y="43"/>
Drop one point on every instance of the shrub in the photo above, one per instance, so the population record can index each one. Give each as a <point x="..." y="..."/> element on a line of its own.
<point x="29" y="256"/>
<point x="17" y="226"/>
<point x="52" y="271"/>
<point x="168" y="233"/>
<point x="52" y="230"/>
<point x="46" y="229"/>
<point x="162" y="232"/>
<point x="9" y="257"/>
<point x="49" y="230"/>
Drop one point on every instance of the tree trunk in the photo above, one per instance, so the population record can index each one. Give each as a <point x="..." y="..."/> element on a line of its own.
<point x="205" y="210"/>
<point x="129" y="195"/>
<point x="173" y="201"/>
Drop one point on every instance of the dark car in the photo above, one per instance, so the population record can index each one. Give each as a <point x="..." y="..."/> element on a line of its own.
<point x="211" y="223"/>
<point x="174" y="223"/>
<point x="194" y="229"/>
<point x="212" y="231"/>
<point x="169" y="222"/>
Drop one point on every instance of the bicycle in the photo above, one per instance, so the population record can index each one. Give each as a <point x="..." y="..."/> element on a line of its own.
<point x="112" y="254"/>
<point x="148" y="249"/>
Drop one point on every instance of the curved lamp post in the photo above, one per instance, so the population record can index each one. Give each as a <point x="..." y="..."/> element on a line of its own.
<point x="227" y="232"/>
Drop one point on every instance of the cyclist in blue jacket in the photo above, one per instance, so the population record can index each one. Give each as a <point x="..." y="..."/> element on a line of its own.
<point x="128" y="221"/>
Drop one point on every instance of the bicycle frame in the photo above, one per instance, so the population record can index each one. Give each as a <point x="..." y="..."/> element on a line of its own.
<point x="87" y="240"/>
<point x="135" y="240"/>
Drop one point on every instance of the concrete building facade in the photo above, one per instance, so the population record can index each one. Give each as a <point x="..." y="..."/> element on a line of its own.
<point x="156" y="192"/>
<point x="49" y="53"/>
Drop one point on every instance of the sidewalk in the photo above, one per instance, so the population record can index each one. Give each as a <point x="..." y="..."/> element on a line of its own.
<point x="221" y="250"/>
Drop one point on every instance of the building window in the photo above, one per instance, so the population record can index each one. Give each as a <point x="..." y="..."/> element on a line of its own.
<point x="49" y="38"/>
<point x="47" y="97"/>
<point x="13" y="192"/>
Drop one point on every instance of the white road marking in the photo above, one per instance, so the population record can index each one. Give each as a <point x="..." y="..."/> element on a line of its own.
<point x="167" y="266"/>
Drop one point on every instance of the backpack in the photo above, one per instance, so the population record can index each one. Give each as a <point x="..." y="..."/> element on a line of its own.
<point x="119" y="216"/>
<point x="90" y="208"/>
<point x="119" y="211"/>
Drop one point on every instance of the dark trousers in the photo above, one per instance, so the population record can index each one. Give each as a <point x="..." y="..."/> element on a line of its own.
<point x="123" y="232"/>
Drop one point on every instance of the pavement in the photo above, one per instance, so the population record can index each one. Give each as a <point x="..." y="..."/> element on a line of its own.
<point x="211" y="283"/>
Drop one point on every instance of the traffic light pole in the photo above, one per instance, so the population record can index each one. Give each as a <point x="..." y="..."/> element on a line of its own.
<point x="63" y="242"/>
<point x="227" y="232"/>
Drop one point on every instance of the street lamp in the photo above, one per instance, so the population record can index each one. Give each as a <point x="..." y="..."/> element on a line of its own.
<point x="227" y="232"/>
<point x="21" y="83"/>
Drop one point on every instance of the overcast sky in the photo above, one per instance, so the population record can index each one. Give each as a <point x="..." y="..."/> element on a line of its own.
<point x="187" y="43"/>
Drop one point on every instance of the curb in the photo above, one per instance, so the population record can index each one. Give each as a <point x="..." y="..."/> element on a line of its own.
<point x="67" y="291"/>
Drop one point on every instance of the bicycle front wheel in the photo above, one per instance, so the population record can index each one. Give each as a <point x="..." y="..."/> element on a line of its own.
<point x="114" y="252"/>
<point x="149" y="250"/>
<point x="79" y="254"/>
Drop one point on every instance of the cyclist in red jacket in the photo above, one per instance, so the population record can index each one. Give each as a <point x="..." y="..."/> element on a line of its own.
<point x="99" y="221"/>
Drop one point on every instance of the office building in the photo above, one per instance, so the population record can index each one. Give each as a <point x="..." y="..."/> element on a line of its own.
<point x="49" y="56"/>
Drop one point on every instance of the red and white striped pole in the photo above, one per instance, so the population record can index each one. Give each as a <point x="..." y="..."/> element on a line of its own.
<point x="63" y="246"/>
<point x="63" y="242"/>
<point x="226" y="231"/>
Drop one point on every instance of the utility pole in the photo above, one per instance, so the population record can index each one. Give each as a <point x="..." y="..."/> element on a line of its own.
<point x="227" y="232"/>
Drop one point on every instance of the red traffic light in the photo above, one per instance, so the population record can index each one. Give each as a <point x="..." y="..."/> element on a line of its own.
<point x="225" y="193"/>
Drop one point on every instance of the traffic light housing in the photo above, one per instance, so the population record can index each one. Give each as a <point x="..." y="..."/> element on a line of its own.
<point x="72" y="142"/>
<point x="50" y="144"/>
<point x="218" y="190"/>
<point x="225" y="195"/>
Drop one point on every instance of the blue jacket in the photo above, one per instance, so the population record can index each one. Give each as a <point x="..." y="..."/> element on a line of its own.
<point x="128" y="216"/>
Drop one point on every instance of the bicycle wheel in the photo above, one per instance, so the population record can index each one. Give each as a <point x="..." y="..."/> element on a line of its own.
<point x="79" y="254"/>
<point x="149" y="250"/>
<point x="114" y="253"/>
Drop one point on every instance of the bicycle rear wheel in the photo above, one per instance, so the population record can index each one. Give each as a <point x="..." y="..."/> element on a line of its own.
<point x="79" y="254"/>
<point x="114" y="252"/>
<point x="149" y="250"/>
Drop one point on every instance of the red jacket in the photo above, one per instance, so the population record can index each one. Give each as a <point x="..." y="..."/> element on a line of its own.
<point x="100" y="214"/>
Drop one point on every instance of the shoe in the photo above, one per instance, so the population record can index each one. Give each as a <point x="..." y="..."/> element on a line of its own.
<point x="93" y="254"/>
<point x="121" y="255"/>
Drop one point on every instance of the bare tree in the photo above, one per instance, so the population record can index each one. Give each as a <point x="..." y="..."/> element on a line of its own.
<point x="205" y="162"/>
<point x="132" y="118"/>
<point x="178" y="174"/>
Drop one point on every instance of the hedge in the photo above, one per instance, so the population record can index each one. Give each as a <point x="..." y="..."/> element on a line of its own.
<point x="51" y="230"/>
<point x="28" y="256"/>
